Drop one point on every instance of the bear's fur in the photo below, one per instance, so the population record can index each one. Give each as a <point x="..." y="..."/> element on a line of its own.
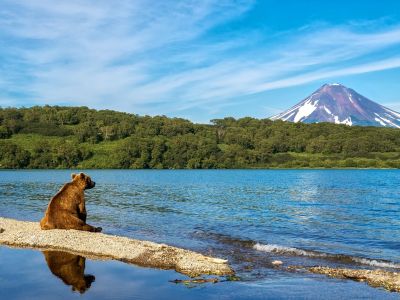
<point x="70" y="269"/>
<point x="66" y="209"/>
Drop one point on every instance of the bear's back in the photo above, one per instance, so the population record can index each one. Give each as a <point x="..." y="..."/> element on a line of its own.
<point x="68" y="195"/>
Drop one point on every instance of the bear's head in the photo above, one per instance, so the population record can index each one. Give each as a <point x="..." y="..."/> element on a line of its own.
<point x="83" y="180"/>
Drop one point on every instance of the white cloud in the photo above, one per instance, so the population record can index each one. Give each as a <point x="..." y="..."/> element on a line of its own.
<point x="168" y="56"/>
<point x="379" y="65"/>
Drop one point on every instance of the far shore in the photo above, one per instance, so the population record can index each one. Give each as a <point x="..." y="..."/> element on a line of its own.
<point x="219" y="169"/>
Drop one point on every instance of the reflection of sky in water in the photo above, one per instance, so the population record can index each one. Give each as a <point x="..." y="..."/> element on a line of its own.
<point x="352" y="212"/>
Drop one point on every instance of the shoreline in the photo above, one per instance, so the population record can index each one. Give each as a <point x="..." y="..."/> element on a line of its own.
<point x="204" y="169"/>
<point x="23" y="234"/>
<point x="378" y="278"/>
<point x="99" y="246"/>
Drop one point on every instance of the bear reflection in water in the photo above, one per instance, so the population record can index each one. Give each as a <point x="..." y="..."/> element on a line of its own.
<point x="70" y="269"/>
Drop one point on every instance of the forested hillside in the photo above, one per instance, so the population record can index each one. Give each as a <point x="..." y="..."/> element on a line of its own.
<point x="79" y="137"/>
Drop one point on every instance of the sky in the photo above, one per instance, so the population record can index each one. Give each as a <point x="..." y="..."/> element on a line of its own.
<point x="199" y="60"/>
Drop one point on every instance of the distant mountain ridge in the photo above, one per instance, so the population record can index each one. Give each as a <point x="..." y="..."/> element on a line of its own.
<point x="335" y="103"/>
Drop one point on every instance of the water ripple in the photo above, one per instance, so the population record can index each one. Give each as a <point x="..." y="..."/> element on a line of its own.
<point x="346" y="212"/>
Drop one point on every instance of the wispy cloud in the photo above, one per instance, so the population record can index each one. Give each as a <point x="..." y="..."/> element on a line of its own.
<point x="379" y="65"/>
<point x="168" y="56"/>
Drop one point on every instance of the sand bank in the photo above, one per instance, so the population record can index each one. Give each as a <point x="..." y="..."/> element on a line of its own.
<point x="103" y="246"/>
<point x="376" y="278"/>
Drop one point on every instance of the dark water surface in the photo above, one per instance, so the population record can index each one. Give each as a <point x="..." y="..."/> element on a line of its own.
<point x="348" y="218"/>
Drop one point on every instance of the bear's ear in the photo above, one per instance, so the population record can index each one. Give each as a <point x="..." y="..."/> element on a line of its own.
<point x="73" y="176"/>
<point x="81" y="175"/>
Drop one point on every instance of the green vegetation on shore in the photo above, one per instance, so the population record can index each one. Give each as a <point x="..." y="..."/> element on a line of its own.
<point x="79" y="137"/>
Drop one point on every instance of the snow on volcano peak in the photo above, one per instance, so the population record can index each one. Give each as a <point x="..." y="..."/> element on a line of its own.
<point x="338" y="104"/>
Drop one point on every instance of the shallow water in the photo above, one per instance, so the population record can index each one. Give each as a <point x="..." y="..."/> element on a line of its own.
<point x="251" y="217"/>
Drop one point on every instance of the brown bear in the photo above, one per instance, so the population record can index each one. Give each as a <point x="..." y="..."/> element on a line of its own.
<point x="70" y="269"/>
<point x="66" y="209"/>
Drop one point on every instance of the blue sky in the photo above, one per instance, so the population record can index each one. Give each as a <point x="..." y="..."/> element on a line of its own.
<point x="196" y="59"/>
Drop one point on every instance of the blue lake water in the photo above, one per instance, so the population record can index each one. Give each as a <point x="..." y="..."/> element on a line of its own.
<point x="344" y="218"/>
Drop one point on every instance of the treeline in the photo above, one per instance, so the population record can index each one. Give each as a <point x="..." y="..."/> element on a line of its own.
<point x="67" y="137"/>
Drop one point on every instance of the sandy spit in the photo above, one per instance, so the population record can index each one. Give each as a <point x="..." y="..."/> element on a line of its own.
<point x="376" y="278"/>
<point x="103" y="246"/>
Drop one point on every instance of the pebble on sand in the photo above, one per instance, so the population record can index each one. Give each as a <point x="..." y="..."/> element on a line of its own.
<point x="277" y="263"/>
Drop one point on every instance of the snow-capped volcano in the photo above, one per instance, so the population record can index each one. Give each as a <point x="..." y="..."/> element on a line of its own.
<point x="338" y="104"/>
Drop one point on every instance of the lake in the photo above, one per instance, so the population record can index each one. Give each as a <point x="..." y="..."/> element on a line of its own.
<point x="345" y="218"/>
